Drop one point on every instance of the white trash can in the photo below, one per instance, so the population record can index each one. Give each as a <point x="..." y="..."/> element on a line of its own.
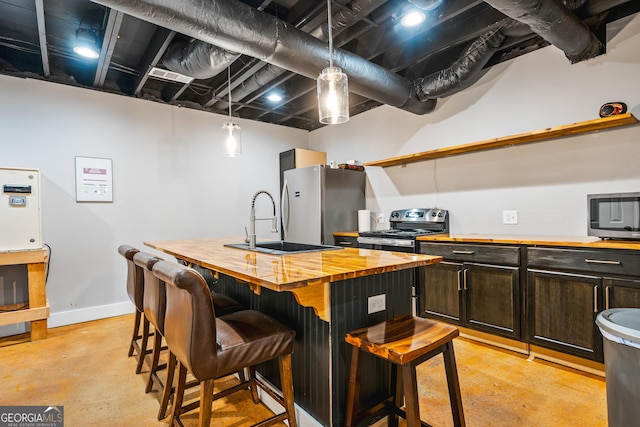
<point x="620" y="328"/>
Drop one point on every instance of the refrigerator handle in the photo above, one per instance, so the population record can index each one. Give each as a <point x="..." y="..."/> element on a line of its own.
<point x="285" y="219"/>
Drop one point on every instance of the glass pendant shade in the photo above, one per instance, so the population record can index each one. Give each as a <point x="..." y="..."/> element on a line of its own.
<point x="232" y="139"/>
<point x="333" y="96"/>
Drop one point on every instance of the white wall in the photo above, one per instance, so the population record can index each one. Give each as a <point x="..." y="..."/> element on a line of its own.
<point x="547" y="182"/>
<point x="170" y="181"/>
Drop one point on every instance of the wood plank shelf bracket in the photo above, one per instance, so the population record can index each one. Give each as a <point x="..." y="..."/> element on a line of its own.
<point x="512" y="140"/>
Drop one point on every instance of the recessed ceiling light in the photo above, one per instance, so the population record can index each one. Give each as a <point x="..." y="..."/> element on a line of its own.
<point x="274" y="97"/>
<point x="413" y="18"/>
<point x="86" y="44"/>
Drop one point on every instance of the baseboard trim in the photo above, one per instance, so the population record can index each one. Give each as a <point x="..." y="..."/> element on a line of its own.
<point x="71" y="317"/>
<point x="574" y="362"/>
<point x="494" y="340"/>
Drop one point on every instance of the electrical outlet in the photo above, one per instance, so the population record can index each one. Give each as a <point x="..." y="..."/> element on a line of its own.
<point x="380" y="218"/>
<point x="509" y="217"/>
<point x="377" y="303"/>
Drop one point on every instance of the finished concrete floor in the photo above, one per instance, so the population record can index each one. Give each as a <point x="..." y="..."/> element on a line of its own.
<point x="85" y="368"/>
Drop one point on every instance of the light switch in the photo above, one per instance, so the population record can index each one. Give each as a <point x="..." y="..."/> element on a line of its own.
<point x="509" y="217"/>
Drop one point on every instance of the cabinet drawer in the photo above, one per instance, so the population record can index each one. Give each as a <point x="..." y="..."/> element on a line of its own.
<point x="603" y="262"/>
<point x="346" y="241"/>
<point x="503" y="255"/>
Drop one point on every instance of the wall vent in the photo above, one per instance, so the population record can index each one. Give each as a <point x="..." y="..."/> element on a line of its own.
<point x="169" y="75"/>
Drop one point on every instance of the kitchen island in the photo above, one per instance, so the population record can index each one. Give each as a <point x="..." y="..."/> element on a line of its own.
<point x="321" y="295"/>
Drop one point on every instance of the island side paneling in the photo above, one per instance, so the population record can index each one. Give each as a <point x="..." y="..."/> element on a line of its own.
<point x="321" y="357"/>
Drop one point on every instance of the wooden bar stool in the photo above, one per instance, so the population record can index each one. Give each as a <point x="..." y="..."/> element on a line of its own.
<point x="405" y="341"/>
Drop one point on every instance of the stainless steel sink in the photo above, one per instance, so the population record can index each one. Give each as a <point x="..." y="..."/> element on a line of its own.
<point x="282" y="248"/>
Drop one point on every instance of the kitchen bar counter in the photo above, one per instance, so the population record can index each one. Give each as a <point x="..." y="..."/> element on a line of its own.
<point x="287" y="272"/>
<point x="321" y="295"/>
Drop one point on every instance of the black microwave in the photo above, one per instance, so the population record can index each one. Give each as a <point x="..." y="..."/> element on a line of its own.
<point x="614" y="216"/>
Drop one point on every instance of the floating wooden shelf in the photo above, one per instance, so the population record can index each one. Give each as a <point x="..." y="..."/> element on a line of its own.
<point x="506" y="141"/>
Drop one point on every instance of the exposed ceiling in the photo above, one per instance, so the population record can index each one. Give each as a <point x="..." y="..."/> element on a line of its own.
<point x="459" y="40"/>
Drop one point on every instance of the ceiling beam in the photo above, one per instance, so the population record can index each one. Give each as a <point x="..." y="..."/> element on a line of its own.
<point x="42" y="36"/>
<point x="157" y="47"/>
<point x="108" y="45"/>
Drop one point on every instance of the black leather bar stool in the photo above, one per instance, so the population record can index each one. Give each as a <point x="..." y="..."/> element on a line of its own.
<point x="135" y="290"/>
<point x="405" y="341"/>
<point x="211" y="347"/>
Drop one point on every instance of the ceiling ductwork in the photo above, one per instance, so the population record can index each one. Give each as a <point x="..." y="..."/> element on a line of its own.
<point x="197" y="59"/>
<point x="341" y="20"/>
<point x="237" y="27"/>
<point x="232" y="26"/>
<point x="464" y="72"/>
<point x="555" y="23"/>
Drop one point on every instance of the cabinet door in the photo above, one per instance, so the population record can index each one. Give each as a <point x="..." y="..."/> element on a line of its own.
<point x="441" y="291"/>
<point x="621" y="293"/>
<point x="562" y="310"/>
<point x="492" y="299"/>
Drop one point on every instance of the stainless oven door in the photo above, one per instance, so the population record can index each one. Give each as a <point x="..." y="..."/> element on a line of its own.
<point x="387" y="244"/>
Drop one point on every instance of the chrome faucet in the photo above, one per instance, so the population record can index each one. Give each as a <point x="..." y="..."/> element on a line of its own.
<point x="253" y="219"/>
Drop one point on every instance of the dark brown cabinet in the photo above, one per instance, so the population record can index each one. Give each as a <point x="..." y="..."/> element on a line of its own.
<point x="346" y="241"/>
<point x="470" y="288"/>
<point x="546" y="296"/>
<point x="440" y="293"/>
<point x="567" y="288"/>
<point x="621" y="293"/>
<point x="562" y="311"/>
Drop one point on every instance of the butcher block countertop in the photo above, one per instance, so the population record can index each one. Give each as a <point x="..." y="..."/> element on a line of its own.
<point x="287" y="272"/>
<point x="584" y="242"/>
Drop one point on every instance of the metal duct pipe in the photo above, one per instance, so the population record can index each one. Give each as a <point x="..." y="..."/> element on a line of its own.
<point x="341" y="20"/>
<point x="344" y="18"/>
<point x="556" y="24"/>
<point x="237" y="27"/>
<point x="462" y="73"/>
<point x="197" y="59"/>
<point x="253" y="83"/>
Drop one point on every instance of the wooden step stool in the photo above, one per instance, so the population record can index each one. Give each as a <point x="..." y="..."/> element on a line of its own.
<point x="405" y="341"/>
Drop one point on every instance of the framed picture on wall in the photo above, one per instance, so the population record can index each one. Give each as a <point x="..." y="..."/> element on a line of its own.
<point x="94" y="180"/>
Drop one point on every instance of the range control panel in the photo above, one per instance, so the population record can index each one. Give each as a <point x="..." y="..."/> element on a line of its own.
<point x="419" y="215"/>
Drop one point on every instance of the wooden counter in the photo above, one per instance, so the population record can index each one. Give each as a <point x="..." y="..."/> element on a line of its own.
<point x="346" y="233"/>
<point x="568" y="241"/>
<point x="321" y="295"/>
<point x="287" y="272"/>
<point x="38" y="311"/>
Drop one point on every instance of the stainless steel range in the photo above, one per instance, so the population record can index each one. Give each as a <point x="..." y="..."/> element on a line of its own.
<point x="406" y="225"/>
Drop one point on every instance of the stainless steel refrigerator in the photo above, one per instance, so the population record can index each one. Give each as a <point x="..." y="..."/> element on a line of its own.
<point x="318" y="201"/>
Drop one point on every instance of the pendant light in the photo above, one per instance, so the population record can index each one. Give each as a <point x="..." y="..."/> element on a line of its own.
<point x="333" y="88"/>
<point x="232" y="141"/>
